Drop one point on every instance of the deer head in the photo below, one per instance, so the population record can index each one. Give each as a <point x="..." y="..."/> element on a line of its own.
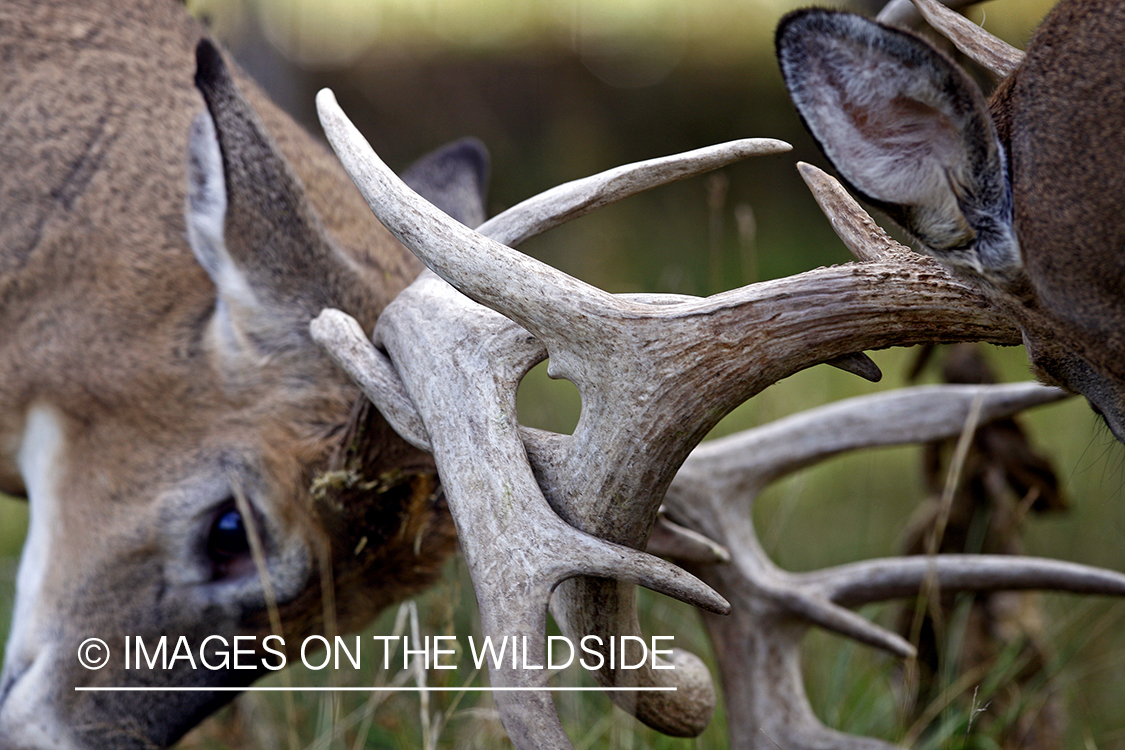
<point x="1014" y="195"/>
<point x="164" y="408"/>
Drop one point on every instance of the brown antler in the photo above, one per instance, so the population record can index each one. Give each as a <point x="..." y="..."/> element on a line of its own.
<point x="990" y="52"/>
<point x="771" y="608"/>
<point x="986" y="50"/>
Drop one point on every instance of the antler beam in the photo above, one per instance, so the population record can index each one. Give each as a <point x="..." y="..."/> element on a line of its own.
<point x="640" y="363"/>
<point x="713" y="495"/>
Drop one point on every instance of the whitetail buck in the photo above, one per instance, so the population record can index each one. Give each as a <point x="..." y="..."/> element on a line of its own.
<point x="192" y="458"/>
<point x="155" y="391"/>
<point x="1021" y="195"/>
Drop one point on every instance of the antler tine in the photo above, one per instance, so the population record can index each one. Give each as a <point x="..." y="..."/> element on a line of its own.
<point x="904" y="13"/>
<point x="990" y="52"/>
<point x="578" y="198"/>
<point x="342" y="337"/>
<point x="859" y="364"/>
<point x="519" y="287"/>
<point x="675" y="542"/>
<point x="772" y="608"/>
<point x="865" y="239"/>
<point x="815" y="609"/>
<point x="893" y="578"/>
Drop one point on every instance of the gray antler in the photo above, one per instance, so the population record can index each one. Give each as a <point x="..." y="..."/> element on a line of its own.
<point x="640" y="364"/>
<point x="772" y="608"/>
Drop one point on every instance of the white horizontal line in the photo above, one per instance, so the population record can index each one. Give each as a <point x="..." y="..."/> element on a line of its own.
<point x="368" y="689"/>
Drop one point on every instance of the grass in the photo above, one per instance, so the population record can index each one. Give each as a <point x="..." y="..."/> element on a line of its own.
<point x="446" y="719"/>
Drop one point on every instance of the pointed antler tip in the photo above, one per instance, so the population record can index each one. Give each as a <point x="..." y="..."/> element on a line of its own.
<point x="813" y="175"/>
<point x="775" y="145"/>
<point x="858" y="363"/>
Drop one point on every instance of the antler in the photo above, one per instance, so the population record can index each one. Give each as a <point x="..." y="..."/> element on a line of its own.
<point x="640" y="363"/>
<point x="903" y="12"/>
<point x="990" y="52"/>
<point x="713" y="495"/>
<point x="772" y="608"/>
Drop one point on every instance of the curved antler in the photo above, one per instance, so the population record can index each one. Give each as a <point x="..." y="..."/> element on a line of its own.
<point x="640" y="364"/>
<point x="986" y="50"/>
<point x="772" y="608"/>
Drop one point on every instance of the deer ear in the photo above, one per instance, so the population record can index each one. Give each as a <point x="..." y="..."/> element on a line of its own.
<point x="206" y="216"/>
<point x="908" y="131"/>
<point x="455" y="179"/>
<point x="253" y="229"/>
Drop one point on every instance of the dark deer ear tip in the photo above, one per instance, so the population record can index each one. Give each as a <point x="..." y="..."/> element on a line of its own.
<point x="785" y="25"/>
<point x="794" y="28"/>
<point x="471" y="151"/>
<point x="209" y="65"/>
<point x="805" y="16"/>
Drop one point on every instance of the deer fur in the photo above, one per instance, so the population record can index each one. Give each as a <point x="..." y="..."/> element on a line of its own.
<point x="156" y="371"/>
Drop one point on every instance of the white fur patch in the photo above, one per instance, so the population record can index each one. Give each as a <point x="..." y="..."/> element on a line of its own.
<point x="207" y="195"/>
<point x="24" y="719"/>
<point x="39" y="456"/>
<point x="206" y="216"/>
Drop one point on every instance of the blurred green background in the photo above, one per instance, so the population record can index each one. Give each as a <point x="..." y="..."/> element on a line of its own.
<point x="559" y="90"/>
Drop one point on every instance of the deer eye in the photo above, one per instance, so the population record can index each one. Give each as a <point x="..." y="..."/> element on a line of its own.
<point x="227" y="544"/>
